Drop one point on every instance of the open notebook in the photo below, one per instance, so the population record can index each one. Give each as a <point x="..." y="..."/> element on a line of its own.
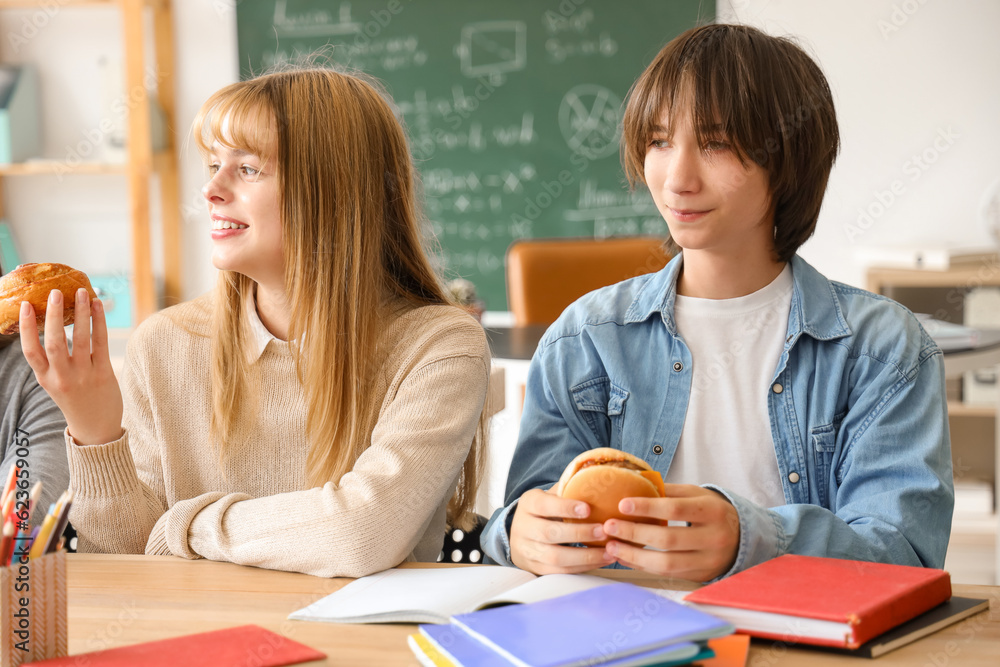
<point x="434" y="595"/>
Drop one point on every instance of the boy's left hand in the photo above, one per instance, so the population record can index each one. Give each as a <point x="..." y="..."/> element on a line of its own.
<point x="702" y="550"/>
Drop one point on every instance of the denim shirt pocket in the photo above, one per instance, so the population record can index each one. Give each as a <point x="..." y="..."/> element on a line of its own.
<point x="601" y="404"/>
<point x="824" y="442"/>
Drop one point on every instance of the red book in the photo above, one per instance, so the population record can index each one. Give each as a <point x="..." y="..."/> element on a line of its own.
<point x="232" y="647"/>
<point x="822" y="601"/>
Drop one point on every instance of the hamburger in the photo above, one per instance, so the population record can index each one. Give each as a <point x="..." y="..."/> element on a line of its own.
<point x="602" y="477"/>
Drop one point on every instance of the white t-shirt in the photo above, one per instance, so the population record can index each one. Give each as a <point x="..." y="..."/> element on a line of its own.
<point x="735" y="346"/>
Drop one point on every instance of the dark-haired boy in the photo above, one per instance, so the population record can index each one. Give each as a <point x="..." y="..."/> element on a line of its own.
<point x="787" y="413"/>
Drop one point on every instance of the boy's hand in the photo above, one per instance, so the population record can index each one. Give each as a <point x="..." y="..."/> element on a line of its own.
<point x="538" y="532"/>
<point x="83" y="384"/>
<point x="703" y="550"/>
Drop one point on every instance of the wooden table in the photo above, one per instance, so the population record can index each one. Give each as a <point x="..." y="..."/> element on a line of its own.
<point x="120" y="600"/>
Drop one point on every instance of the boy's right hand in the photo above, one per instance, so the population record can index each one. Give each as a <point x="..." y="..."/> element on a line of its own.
<point x="538" y="535"/>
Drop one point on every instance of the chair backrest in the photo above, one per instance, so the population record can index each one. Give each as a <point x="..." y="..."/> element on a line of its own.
<point x="546" y="275"/>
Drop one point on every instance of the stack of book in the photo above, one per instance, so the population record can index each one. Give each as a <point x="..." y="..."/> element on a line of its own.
<point x="633" y="620"/>
<point x="866" y="609"/>
<point x="617" y="625"/>
<point x="489" y="615"/>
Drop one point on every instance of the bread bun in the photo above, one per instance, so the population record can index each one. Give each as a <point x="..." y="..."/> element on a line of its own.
<point x="32" y="283"/>
<point x="602" y="477"/>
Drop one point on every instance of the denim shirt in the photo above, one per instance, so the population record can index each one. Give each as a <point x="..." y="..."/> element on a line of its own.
<point x="857" y="410"/>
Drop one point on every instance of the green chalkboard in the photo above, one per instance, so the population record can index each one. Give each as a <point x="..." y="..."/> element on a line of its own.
<point x="513" y="107"/>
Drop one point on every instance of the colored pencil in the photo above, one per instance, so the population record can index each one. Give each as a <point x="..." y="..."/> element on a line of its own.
<point x="62" y="519"/>
<point x="8" y="508"/>
<point x="5" y="543"/>
<point x="36" y="491"/>
<point x="8" y="484"/>
<point x="38" y="547"/>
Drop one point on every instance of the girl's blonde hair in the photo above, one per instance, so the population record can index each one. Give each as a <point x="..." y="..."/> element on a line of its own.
<point x="351" y="238"/>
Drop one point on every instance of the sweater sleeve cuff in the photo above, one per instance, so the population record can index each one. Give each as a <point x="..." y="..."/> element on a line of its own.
<point x="156" y="545"/>
<point x="761" y="532"/>
<point x="101" y="470"/>
<point x="177" y="521"/>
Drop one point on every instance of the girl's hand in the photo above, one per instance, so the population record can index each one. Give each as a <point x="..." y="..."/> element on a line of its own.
<point x="83" y="384"/>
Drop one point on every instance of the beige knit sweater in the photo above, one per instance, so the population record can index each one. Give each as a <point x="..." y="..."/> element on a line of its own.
<point x="160" y="489"/>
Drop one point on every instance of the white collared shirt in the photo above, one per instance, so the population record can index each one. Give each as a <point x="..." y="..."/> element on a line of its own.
<point x="735" y="345"/>
<point x="260" y="335"/>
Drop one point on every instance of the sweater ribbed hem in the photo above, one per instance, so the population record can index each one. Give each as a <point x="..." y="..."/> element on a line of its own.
<point x="157" y="543"/>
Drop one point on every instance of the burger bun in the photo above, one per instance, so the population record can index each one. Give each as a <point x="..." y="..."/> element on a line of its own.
<point x="602" y="477"/>
<point x="33" y="283"/>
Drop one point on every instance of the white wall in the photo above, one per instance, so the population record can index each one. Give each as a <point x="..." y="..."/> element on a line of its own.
<point x="937" y="69"/>
<point x="903" y="73"/>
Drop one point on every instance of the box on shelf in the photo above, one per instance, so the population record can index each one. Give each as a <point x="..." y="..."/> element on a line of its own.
<point x="115" y="291"/>
<point x="9" y="256"/>
<point x="20" y="133"/>
<point x="973" y="498"/>
<point x="114" y="143"/>
<point x="981" y="387"/>
<point x="982" y="311"/>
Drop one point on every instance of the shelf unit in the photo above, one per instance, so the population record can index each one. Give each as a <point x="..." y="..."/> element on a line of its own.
<point x="986" y="274"/>
<point x="142" y="163"/>
<point x="959" y="409"/>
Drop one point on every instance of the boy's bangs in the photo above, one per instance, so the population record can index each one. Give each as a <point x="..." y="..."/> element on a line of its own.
<point x="698" y="89"/>
<point x="236" y="119"/>
<point x="694" y="75"/>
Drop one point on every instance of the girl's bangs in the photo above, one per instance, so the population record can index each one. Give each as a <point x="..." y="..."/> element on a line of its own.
<point x="238" y="120"/>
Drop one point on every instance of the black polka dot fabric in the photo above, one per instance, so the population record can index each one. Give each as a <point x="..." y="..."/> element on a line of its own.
<point x="463" y="547"/>
<point x="69" y="539"/>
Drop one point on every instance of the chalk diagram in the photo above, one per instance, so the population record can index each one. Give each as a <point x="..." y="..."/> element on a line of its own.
<point x="588" y="119"/>
<point x="490" y="48"/>
<point x="315" y="24"/>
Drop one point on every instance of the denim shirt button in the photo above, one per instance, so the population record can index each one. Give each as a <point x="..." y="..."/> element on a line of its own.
<point x="657" y="449"/>
<point x="777" y="388"/>
<point x="793" y="477"/>
<point x="678" y="366"/>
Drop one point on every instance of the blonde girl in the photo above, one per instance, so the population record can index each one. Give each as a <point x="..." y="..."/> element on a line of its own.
<point x="321" y="410"/>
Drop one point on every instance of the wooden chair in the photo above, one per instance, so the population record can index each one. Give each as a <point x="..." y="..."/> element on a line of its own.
<point x="546" y="275"/>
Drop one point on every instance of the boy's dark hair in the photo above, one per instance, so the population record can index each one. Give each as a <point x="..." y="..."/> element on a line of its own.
<point x="766" y="96"/>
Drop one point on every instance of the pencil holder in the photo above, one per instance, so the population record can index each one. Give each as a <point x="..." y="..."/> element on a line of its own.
<point x="33" y="610"/>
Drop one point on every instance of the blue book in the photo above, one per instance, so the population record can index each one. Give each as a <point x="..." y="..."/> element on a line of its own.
<point x="462" y="649"/>
<point x="589" y="627"/>
<point x="465" y="651"/>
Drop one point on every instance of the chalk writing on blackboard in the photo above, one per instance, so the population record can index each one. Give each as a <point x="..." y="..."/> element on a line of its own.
<point x="512" y="108"/>
<point x="493" y="47"/>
